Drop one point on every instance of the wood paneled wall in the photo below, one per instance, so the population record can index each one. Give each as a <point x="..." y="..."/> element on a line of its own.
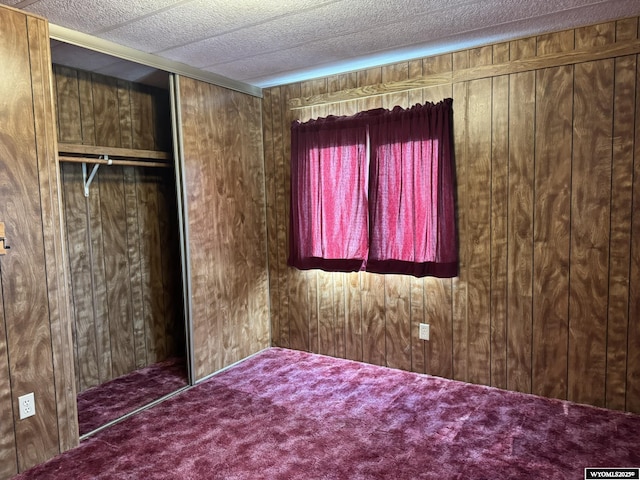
<point x="123" y="239"/>
<point x="225" y="204"/>
<point x="548" y="296"/>
<point x="35" y="335"/>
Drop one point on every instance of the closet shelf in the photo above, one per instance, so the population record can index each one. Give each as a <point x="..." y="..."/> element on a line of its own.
<point x="71" y="152"/>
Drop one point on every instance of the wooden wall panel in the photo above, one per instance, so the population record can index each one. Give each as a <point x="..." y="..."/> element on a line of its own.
<point x="225" y="203"/>
<point x="121" y="261"/>
<point x="519" y="216"/>
<point x="281" y="179"/>
<point x="26" y="310"/>
<point x="8" y="451"/>
<point x="116" y="265"/>
<point x="478" y="318"/>
<point x="148" y="183"/>
<point x="81" y="282"/>
<point x="632" y="393"/>
<point x="96" y="247"/>
<point x="499" y="217"/>
<point x="459" y="284"/>
<point x="268" y="125"/>
<point x="621" y="215"/>
<point x="544" y="302"/>
<point x="590" y="231"/>
<point x="139" y="333"/>
<point x="35" y="335"/>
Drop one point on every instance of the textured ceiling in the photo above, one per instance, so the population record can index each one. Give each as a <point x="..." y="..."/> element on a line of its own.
<point x="270" y="42"/>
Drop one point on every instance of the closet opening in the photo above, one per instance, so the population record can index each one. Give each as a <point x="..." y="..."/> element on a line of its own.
<point x="122" y="233"/>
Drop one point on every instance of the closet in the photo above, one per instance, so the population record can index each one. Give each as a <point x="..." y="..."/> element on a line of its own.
<point x="122" y="237"/>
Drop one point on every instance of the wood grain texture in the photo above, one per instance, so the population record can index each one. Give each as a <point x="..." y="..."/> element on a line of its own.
<point x="511" y="318"/>
<point x="599" y="49"/>
<point x="23" y="272"/>
<point x="478" y="140"/>
<point x="554" y="109"/>
<point x="135" y="268"/>
<point x="77" y="233"/>
<point x="68" y="112"/>
<point x="151" y="250"/>
<point x="520" y="217"/>
<point x="590" y="231"/>
<point x="195" y="176"/>
<point x="104" y="91"/>
<point x="459" y="284"/>
<point x="87" y="116"/>
<point x="499" y="223"/>
<point x="282" y="176"/>
<point x="118" y="232"/>
<point x="116" y="264"/>
<point x="118" y="152"/>
<point x="499" y="217"/>
<point x="8" y="451"/>
<point x="632" y="394"/>
<point x="52" y="227"/>
<point x="224" y="173"/>
<point x="621" y="217"/>
<point x="548" y="375"/>
<point x="556" y="42"/>
<point x="268" y="125"/>
<point x="99" y="285"/>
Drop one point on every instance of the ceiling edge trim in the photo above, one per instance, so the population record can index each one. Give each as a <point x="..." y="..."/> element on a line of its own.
<point x="90" y="42"/>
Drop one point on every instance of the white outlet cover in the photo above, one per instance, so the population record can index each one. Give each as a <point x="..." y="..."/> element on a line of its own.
<point x="27" y="405"/>
<point x="423" y="333"/>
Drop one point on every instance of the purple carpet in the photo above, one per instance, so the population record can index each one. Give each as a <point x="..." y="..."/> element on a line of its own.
<point x="289" y="415"/>
<point x="99" y="405"/>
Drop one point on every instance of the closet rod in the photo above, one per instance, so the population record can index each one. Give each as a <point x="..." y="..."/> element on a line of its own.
<point x="123" y="163"/>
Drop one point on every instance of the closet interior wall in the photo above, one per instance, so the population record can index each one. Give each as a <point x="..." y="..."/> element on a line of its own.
<point x="123" y="238"/>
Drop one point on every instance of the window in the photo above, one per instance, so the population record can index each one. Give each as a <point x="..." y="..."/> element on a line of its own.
<point x="375" y="192"/>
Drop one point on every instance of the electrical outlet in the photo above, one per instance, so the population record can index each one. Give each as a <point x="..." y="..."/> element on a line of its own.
<point x="27" y="405"/>
<point x="423" y="334"/>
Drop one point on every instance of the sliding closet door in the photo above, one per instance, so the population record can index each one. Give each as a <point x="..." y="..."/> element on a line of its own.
<point x="222" y="181"/>
<point x="121" y="234"/>
<point x="32" y="315"/>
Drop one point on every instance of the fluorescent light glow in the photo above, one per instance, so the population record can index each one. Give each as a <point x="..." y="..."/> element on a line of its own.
<point x="376" y="60"/>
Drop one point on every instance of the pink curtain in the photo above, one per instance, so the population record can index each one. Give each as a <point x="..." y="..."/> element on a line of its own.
<point x="411" y="194"/>
<point x="329" y="210"/>
<point x="393" y="213"/>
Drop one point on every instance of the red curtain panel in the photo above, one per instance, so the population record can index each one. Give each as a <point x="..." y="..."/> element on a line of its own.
<point x="375" y="191"/>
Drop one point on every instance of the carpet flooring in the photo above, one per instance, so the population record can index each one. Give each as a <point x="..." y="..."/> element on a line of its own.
<point x="285" y="414"/>
<point x="100" y="405"/>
